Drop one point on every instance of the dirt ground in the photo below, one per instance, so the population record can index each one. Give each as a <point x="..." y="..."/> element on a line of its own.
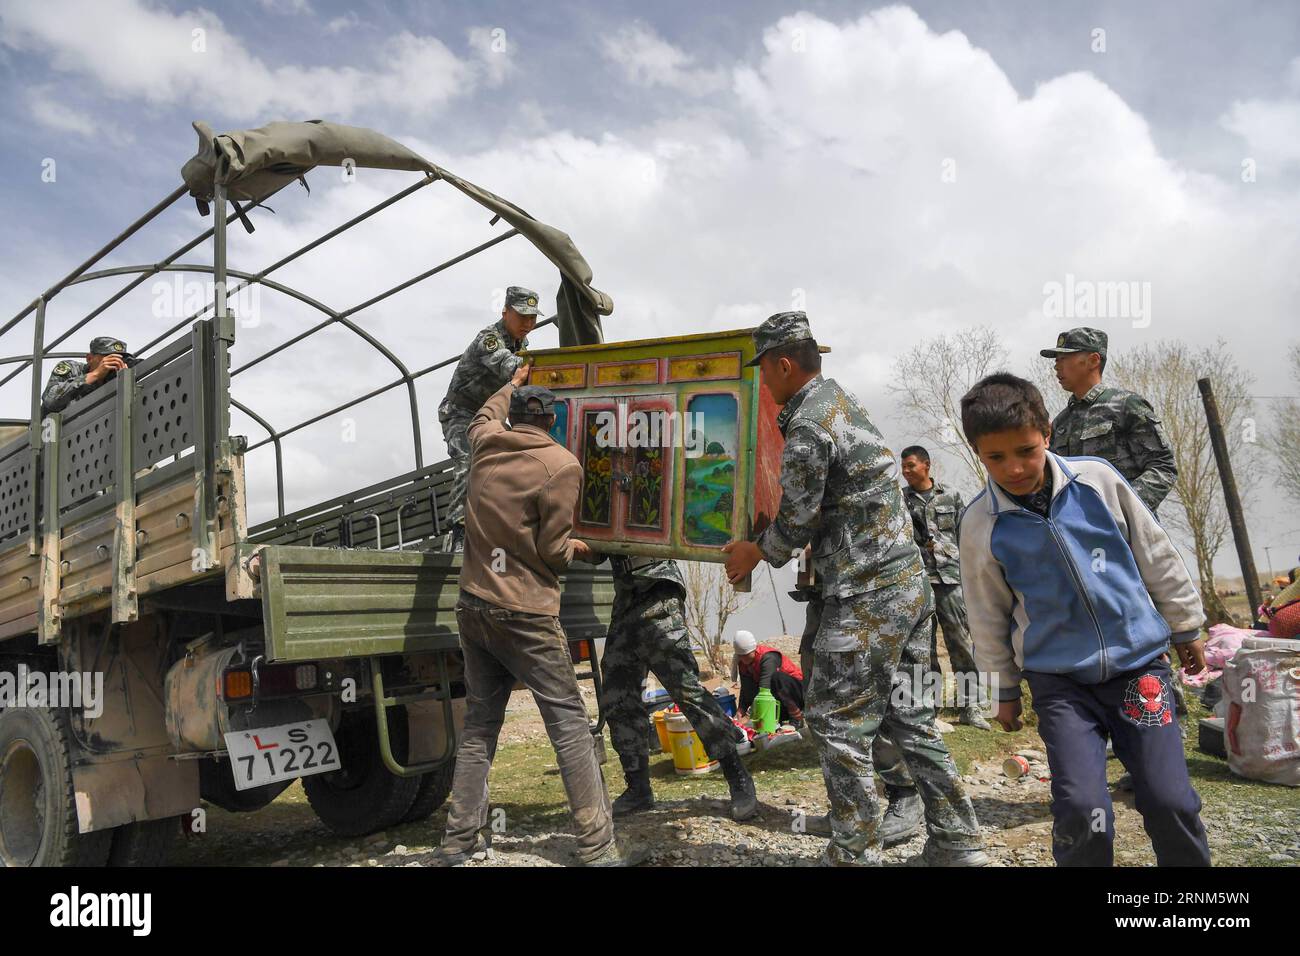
<point x="1248" y="823"/>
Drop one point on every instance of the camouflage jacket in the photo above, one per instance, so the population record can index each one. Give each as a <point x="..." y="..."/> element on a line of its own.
<point x="839" y="490"/>
<point x="484" y="367"/>
<point x="67" y="383"/>
<point x="1122" y="428"/>
<point x="936" y="511"/>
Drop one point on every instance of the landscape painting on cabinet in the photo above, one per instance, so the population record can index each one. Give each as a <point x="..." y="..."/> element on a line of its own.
<point x="710" y="477"/>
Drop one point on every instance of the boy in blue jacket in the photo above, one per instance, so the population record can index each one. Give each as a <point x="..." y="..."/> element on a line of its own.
<point x="1072" y="585"/>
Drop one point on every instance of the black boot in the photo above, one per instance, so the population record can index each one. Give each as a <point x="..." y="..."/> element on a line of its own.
<point x="903" y="816"/>
<point x="638" y="796"/>
<point x="744" y="801"/>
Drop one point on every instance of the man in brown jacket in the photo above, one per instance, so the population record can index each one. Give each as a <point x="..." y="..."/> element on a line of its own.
<point x="523" y="490"/>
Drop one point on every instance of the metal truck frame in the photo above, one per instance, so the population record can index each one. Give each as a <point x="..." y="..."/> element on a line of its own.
<point x="125" y="551"/>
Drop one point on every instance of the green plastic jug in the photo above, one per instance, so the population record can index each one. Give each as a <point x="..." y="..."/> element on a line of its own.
<point x="763" y="712"/>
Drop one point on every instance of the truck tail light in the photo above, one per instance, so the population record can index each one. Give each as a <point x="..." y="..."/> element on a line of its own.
<point x="274" y="680"/>
<point x="580" y="651"/>
<point x="237" y="685"/>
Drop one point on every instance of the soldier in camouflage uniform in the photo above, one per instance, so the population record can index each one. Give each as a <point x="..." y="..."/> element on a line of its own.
<point x="647" y="633"/>
<point x="935" y="511"/>
<point x="1110" y="423"/>
<point x="840" y="493"/>
<point x="70" y="380"/>
<point x="484" y="367"/>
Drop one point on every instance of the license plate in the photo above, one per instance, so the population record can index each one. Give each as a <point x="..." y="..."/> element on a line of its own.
<point x="272" y="754"/>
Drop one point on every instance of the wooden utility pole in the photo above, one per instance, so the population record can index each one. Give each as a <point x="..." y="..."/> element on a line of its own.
<point x="1233" y="501"/>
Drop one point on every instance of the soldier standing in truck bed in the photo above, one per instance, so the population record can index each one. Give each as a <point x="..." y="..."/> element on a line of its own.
<point x="647" y="634"/>
<point x="1104" y="422"/>
<point x="71" y="379"/>
<point x="486" y="365"/>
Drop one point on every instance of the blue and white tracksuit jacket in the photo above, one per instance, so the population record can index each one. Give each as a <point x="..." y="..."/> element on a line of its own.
<point x="1092" y="591"/>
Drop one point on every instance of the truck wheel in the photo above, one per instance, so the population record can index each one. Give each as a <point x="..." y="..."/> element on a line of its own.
<point x="217" y="786"/>
<point x="145" y="843"/>
<point x="435" y="787"/>
<point x="363" y="797"/>
<point x="38" y="812"/>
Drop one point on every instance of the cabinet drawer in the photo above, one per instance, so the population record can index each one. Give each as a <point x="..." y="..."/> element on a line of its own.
<point x="643" y="372"/>
<point x="701" y="368"/>
<point x="559" y="376"/>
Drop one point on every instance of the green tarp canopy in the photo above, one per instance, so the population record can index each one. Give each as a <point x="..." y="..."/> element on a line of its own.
<point x="252" y="164"/>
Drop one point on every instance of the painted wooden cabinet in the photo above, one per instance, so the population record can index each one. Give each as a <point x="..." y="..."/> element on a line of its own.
<point x="677" y="439"/>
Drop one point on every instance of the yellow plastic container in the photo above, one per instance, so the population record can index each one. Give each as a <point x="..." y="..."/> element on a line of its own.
<point x="689" y="755"/>
<point x="661" y="728"/>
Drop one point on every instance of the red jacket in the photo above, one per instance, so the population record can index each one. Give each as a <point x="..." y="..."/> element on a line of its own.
<point x="750" y="668"/>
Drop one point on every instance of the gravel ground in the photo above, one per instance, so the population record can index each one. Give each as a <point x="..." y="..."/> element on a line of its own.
<point x="1248" y="823"/>
<point x="697" y="831"/>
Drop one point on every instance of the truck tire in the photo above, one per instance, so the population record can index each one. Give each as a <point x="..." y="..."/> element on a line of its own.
<point x="363" y="797"/>
<point x="435" y="787"/>
<point x="217" y="786"/>
<point x="144" y="843"/>
<point x="38" y="812"/>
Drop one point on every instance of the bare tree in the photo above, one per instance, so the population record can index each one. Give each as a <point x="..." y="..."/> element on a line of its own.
<point x="1042" y="372"/>
<point x="1165" y="373"/>
<point x="1282" y="440"/>
<point x="931" y="379"/>
<point x="710" y="602"/>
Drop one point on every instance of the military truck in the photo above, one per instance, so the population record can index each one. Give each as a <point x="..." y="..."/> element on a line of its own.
<point x="319" y="645"/>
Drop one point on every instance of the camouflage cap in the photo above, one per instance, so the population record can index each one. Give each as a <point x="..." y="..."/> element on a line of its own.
<point x="532" y="400"/>
<point x="1078" y="340"/>
<point x="781" y="329"/>
<point x="524" y="301"/>
<point x="107" y="345"/>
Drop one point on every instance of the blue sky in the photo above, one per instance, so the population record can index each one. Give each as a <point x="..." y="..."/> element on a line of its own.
<point x="713" y="162"/>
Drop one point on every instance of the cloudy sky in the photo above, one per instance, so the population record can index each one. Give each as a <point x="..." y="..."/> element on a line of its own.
<point x="901" y="171"/>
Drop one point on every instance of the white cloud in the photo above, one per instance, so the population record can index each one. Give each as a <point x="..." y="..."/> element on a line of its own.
<point x="1270" y="127"/>
<point x="138" y="51"/>
<point x="286" y="6"/>
<point x="648" y="60"/>
<point x="49" y="111"/>
<point x="349" y="21"/>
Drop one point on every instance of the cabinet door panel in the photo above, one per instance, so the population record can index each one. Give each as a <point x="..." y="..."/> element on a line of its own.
<point x="710" y="461"/>
<point x="597" y="456"/>
<point x="647" y="460"/>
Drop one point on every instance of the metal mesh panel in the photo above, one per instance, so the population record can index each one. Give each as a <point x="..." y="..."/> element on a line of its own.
<point x="163" y="417"/>
<point x="88" y="457"/>
<point x="15" y="492"/>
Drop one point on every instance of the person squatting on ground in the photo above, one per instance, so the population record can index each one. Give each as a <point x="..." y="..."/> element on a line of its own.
<point x="840" y="493"/>
<point x="762" y="667"/>
<point x="1073" y="586"/>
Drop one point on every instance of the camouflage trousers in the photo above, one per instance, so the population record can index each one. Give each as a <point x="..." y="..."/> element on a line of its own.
<point x="647" y="634"/>
<point x="855" y="694"/>
<point x="950" y="614"/>
<point x="455" y="432"/>
<point x="886" y="758"/>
